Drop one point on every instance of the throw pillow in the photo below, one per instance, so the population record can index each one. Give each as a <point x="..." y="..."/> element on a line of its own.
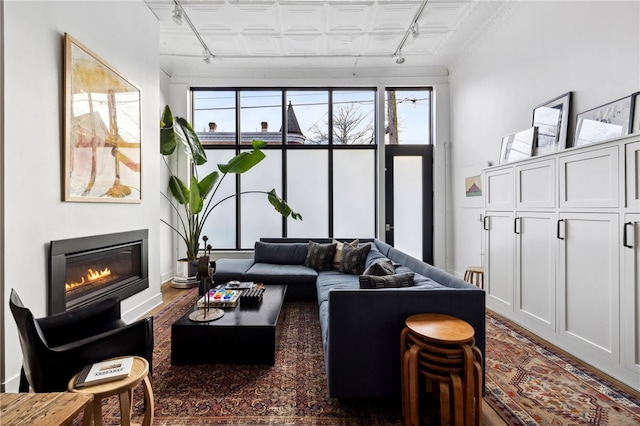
<point x="388" y="281"/>
<point x="320" y="256"/>
<point x="380" y="268"/>
<point x="354" y="259"/>
<point x="338" y="256"/>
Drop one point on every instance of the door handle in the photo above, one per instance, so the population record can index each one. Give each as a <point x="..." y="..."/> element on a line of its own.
<point x="516" y="225"/>
<point x="388" y="227"/>
<point x="625" y="242"/>
<point x="558" y="230"/>
<point x="485" y="221"/>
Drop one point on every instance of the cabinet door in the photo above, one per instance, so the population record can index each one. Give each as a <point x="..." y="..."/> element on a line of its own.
<point x="589" y="179"/>
<point x="499" y="265"/>
<point x="632" y="160"/>
<point x="536" y="185"/>
<point x="589" y="277"/>
<point x="630" y="293"/>
<point x="536" y="269"/>
<point x="499" y="184"/>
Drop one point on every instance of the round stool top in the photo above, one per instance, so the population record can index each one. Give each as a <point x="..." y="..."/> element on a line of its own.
<point x="440" y="328"/>
<point x="479" y="269"/>
<point x="139" y="370"/>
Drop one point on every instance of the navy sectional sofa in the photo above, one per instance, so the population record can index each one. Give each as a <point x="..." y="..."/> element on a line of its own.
<point x="360" y="327"/>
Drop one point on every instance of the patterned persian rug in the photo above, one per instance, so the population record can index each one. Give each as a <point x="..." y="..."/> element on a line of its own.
<point x="527" y="384"/>
<point x="530" y="384"/>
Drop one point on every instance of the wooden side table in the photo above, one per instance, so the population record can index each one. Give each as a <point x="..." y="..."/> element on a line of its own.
<point x="123" y="388"/>
<point x="41" y="409"/>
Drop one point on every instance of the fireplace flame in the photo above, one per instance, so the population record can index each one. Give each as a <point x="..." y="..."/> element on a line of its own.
<point x="94" y="275"/>
<point x="91" y="276"/>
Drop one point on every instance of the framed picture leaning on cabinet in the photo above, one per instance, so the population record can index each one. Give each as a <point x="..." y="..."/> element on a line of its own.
<point x="551" y="119"/>
<point x="518" y="146"/>
<point x="607" y="121"/>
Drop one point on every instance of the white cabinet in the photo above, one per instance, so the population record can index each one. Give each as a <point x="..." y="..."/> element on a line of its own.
<point x="589" y="179"/>
<point x="630" y="292"/>
<point x="499" y="266"/>
<point x="536" y="269"/>
<point x="632" y="166"/>
<point x="561" y="251"/>
<point x="588" y="282"/>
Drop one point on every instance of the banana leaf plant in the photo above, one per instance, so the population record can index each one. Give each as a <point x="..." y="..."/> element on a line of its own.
<point x="193" y="194"/>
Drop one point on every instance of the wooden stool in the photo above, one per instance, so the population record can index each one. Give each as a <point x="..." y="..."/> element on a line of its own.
<point x="123" y="388"/>
<point x="475" y="276"/>
<point x="441" y="349"/>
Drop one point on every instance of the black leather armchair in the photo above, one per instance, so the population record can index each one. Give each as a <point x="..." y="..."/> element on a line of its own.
<point x="57" y="347"/>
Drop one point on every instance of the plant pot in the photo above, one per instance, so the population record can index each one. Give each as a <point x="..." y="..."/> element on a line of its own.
<point x="186" y="274"/>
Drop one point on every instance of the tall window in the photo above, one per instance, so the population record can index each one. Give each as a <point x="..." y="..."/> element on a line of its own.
<point x="321" y="157"/>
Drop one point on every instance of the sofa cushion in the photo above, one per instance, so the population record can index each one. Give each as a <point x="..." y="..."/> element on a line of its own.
<point x="231" y="269"/>
<point x="338" y="256"/>
<point x="387" y="281"/>
<point x="380" y="268"/>
<point x="328" y="280"/>
<point x="270" y="273"/>
<point x="280" y="253"/>
<point x="354" y="259"/>
<point x="320" y="256"/>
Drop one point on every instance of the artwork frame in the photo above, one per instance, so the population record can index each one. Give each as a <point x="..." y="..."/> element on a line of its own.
<point x="635" y="108"/>
<point x="608" y="121"/>
<point x="103" y="132"/>
<point x="552" y="120"/>
<point x="518" y="146"/>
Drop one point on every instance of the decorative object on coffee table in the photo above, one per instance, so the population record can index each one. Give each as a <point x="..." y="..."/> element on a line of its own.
<point x="206" y="271"/>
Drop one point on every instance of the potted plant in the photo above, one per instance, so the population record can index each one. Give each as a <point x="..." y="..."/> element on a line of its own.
<point x="192" y="194"/>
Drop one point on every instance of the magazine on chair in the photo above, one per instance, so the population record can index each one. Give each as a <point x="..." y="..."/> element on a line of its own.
<point x="105" y="371"/>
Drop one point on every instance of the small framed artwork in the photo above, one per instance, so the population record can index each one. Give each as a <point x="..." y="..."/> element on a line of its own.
<point x="605" y="122"/>
<point x="551" y="119"/>
<point x="102" y="130"/>
<point x="518" y="146"/>
<point x="635" y="102"/>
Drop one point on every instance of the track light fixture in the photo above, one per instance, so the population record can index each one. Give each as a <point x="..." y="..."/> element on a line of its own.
<point x="177" y="14"/>
<point x="415" y="30"/>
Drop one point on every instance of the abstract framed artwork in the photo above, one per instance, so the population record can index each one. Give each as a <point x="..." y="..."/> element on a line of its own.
<point x="551" y="119"/>
<point x="635" y="101"/>
<point x="605" y="122"/>
<point x="102" y="130"/>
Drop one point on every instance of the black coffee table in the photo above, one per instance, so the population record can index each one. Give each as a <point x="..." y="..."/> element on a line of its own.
<point x="245" y="334"/>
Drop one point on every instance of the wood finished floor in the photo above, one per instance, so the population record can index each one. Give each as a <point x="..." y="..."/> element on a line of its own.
<point x="490" y="417"/>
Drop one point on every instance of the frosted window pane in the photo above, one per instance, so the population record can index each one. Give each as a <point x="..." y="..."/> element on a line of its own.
<point x="407" y="205"/>
<point x="258" y="217"/>
<point x="354" y="193"/>
<point x="308" y="193"/>
<point x="220" y="227"/>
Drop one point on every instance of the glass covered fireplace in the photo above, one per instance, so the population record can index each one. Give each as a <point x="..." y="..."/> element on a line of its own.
<point x="83" y="270"/>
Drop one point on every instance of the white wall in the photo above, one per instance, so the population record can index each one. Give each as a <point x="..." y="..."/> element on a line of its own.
<point x="542" y="50"/>
<point x="125" y="35"/>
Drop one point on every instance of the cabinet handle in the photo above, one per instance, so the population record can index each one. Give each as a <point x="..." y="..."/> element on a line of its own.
<point x="485" y="222"/>
<point x="624" y="235"/>
<point x="558" y="230"/>
<point x="516" y="225"/>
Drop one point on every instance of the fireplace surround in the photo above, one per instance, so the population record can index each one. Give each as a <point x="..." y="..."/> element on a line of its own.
<point x="86" y="269"/>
